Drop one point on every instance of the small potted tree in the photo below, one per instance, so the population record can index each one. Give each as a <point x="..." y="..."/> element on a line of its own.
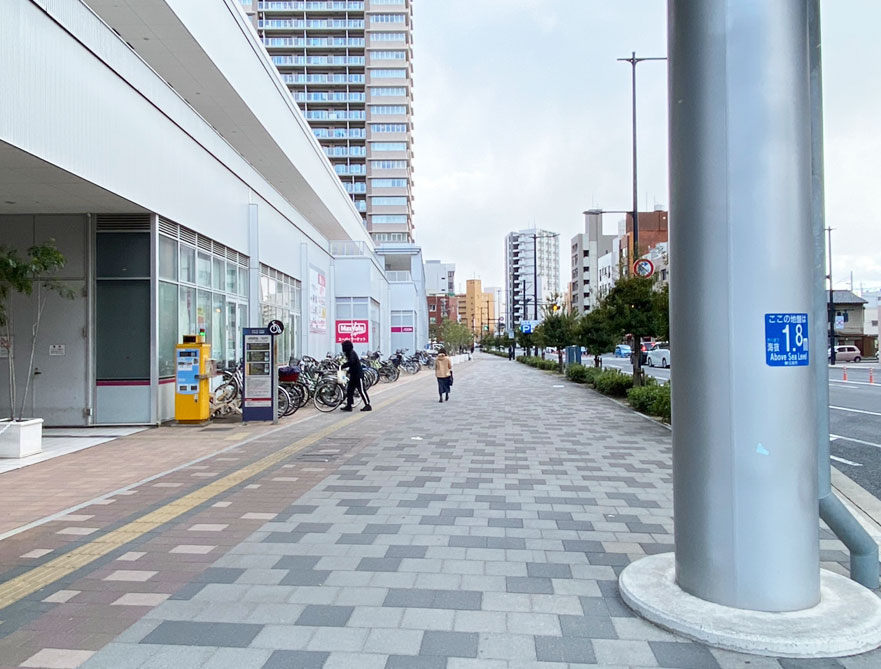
<point x="20" y="437"/>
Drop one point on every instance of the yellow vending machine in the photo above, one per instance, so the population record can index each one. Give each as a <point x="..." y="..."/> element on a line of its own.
<point x="192" y="390"/>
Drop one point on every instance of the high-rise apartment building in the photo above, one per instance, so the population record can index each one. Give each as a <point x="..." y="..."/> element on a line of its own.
<point x="586" y="250"/>
<point x="532" y="273"/>
<point x="349" y="66"/>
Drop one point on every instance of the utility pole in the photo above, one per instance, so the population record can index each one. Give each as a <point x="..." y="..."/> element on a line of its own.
<point x="831" y="299"/>
<point x="634" y="61"/>
<point x="637" y="337"/>
<point x="535" y="276"/>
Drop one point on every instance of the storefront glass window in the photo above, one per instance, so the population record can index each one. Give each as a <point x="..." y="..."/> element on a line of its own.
<point x="167" y="258"/>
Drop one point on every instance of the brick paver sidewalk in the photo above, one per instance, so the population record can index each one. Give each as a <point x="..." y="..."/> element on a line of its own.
<point x="487" y="531"/>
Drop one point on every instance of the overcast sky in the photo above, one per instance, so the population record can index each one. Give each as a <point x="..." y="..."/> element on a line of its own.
<point x="522" y="116"/>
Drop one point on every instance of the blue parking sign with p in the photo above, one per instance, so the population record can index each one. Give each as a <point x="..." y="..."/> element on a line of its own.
<point x="786" y="340"/>
<point x="526" y="327"/>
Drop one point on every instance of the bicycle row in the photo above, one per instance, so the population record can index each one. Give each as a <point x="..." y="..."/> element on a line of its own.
<point x="321" y="382"/>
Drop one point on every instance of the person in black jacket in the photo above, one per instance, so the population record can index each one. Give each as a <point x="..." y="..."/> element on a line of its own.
<point x="356" y="378"/>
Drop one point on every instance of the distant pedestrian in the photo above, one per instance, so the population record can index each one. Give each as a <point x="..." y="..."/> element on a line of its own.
<point x="443" y="370"/>
<point x="356" y="378"/>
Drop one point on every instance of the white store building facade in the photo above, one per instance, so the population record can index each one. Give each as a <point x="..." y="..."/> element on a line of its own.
<point x="186" y="194"/>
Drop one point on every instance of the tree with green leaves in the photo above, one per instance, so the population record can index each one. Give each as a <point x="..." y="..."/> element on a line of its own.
<point x="595" y="334"/>
<point x="524" y="341"/>
<point x="19" y="275"/>
<point x="631" y="310"/>
<point x="456" y="336"/>
<point x="557" y="329"/>
<point x="661" y="304"/>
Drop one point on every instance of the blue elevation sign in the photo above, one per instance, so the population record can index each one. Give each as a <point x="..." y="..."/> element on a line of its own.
<point x="786" y="340"/>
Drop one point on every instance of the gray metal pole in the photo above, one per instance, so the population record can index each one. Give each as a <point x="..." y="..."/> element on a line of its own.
<point x="744" y="442"/>
<point x="820" y="328"/>
<point x="535" y="276"/>
<point x="633" y="63"/>
<point x="831" y="301"/>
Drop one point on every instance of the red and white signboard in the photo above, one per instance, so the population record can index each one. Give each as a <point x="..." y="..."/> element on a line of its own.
<point x="402" y="328"/>
<point x="356" y="332"/>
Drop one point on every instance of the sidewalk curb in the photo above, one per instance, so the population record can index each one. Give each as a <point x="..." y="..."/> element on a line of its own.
<point x="865" y="507"/>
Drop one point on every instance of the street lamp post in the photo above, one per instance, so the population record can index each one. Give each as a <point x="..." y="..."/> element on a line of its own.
<point x="633" y="60"/>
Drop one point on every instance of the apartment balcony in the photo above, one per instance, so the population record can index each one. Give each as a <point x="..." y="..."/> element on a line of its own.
<point x="321" y="6"/>
<point x="399" y="276"/>
<point x="331" y="98"/>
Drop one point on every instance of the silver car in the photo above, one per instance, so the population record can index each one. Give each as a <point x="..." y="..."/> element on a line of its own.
<point x="847" y="354"/>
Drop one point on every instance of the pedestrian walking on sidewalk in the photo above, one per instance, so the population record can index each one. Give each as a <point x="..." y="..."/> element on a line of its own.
<point x="356" y="378"/>
<point x="443" y="370"/>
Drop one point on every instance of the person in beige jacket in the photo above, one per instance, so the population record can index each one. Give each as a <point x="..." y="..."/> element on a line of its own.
<point x="443" y="370"/>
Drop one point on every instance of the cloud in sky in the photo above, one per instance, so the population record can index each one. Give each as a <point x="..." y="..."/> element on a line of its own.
<point x="522" y="117"/>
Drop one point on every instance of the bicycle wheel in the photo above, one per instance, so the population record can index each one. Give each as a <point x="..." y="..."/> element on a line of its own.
<point x="305" y="393"/>
<point x="284" y="403"/>
<point x="327" y="395"/>
<point x="225" y="392"/>
<point x="296" y="391"/>
<point x="294" y="404"/>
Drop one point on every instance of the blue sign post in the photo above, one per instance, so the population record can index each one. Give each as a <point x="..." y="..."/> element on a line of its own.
<point x="526" y="327"/>
<point x="786" y="340"/>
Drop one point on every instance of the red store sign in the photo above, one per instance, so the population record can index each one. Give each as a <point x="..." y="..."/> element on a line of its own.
<point x="356" y="332"/>
<point x="403" y="328"/>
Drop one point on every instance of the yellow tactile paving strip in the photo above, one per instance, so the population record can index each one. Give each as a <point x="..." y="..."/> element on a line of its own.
<point x="54" y="570"/>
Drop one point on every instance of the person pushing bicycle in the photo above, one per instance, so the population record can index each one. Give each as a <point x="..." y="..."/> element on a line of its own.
<point x="356" y="378"/>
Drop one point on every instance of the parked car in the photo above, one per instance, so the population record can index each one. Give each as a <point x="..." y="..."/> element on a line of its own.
<point x="846" y="354"/>
<point x="659" y="354"/>
<point x="623" y="351"/>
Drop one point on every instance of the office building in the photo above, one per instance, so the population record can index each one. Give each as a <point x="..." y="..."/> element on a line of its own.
<point x="532" y="272"/>
<point x="652" y="231"/>
<point x="349" y="66"/>
<point x="441" y="308"/>
<point x="586" y="250"/>
<point x="440" y="277"/>
<point x="498" y="294"/>
<point x="479" y="312"/>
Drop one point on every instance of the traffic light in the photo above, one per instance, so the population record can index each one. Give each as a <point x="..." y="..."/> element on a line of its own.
<point x="556" y="308"/>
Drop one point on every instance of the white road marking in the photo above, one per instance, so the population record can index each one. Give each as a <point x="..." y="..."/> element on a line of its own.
<point x="856" y="441"/>
<point x="855" y="383"/>
<point x="870" y="413"/>
<point x="847" y="462"/>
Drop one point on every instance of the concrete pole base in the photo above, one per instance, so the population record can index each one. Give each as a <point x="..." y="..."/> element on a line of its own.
<point x="847" y="621"/>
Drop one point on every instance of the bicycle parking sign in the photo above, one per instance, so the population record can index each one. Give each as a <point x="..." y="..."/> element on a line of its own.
<point x="786" y="340"/>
